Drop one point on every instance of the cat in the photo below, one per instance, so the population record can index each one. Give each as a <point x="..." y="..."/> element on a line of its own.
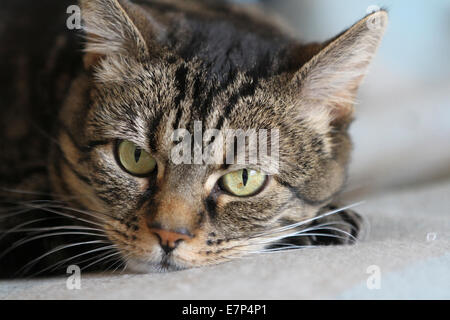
<point x="87" y="123"/>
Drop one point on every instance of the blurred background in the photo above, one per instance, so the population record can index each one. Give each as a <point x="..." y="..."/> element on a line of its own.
<point x="402" y="127"/>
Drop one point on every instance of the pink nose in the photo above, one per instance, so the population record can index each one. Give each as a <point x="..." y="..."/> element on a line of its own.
<point x="169" y="240"/>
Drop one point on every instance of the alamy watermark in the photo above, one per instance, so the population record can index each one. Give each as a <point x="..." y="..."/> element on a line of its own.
<point x="374" y="280"/>
<point x="431" y="236"/>
<point x="73" y="22"/>
<point x="230" y="146"/>
<point x="73" y="282"/>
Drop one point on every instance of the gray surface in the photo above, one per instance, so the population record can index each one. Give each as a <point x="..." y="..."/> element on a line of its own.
<point x="397" y="244"/>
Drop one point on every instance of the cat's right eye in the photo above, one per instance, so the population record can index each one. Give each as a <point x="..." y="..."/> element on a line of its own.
<point x="135" y="160"/>
<point x="243" y="183"/>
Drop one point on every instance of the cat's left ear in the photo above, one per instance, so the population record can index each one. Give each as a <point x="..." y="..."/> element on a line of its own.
<point x="328" y="82"/>
<point x="114" y="27"/>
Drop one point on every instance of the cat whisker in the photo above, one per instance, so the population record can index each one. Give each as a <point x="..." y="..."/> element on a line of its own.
<point x="272" y="250"/>
<point x="68" y="227"/>
<point x="69" y="215"/>
<point x="124" y="265"/>
<point x="354" y="239"/>
<point x="45" y="134"/>
<point x="301" y="223"/>
<point x="17" y="211"/>
<point x="324" y="235"/>
<point x="30" y="264"/>
<point x="36" y="201"/>
<point x="90" y="213"/>
<point x="100" y="255"/>
<point x="48" y="208"/>
<point x="4" y="233"/>
<point x="323" y="226"/>
<point x="60" y="205"/>
<point x="55" y="204"/>
<point x="352" y="227"/>
<point x="299" y="235"/>
<point x="55" y="266"/>
<point x="100" y="260"/>
<point x="119" y="262"/>
<point x="289" y="246"/>
<point x="42" y="236"/>
<point x="114" y="263"/>
<point x="60" y="198"/>
<point x="126" y="259"/>
<point x="304" y="233"/>
<point x="34" y="193"/>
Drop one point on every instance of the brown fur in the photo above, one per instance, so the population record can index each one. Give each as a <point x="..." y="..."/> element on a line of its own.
<point x="148" y="72"/>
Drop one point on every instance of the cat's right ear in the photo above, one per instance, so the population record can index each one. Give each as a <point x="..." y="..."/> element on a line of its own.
<point x="114" y="27"/>
<point x="327" y="84"/>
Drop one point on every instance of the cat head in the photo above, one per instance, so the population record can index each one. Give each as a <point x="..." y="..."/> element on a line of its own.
<point x="140" y="87"/>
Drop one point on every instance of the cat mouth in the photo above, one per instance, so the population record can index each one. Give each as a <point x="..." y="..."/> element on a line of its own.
<point x="166" y="263"/>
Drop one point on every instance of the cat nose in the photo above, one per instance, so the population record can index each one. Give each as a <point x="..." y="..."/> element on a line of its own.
<point x="168" y="239"/>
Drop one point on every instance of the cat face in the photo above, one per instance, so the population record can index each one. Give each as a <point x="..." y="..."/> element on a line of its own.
<point x="117" y="140"/>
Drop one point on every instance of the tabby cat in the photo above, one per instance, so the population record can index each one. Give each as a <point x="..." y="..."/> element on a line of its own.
<point x="87" y="118"/>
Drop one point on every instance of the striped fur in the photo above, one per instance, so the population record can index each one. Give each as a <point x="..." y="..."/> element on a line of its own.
<point x="150" y="67"/>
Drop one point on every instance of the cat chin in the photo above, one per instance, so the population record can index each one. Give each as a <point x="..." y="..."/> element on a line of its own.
<point x="164" y="265"/>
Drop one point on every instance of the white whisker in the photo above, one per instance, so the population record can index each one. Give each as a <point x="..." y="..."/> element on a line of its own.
<point x="4" y="233"/>
<point x="292" y="247"/>
<point x="15" y="212"/>
<point x="335" y="229"/>
<point x="30" y="264"/>
<point x="298" y="224"/>
<point x="59" y="263"/>
<point x="27" y="240"/>
<point x="71" y="216"/>
<point x="68" y="227"/>
<point x="99" y="260"/>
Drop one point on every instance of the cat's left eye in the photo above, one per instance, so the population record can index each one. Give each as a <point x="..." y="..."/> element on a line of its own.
<point x="242" y="183"/>
<point x="135" y="160"/>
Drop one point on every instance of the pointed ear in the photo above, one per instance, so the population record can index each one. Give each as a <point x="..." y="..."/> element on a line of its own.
<point x="328" y="82"/>
<point x="111" y="27"/>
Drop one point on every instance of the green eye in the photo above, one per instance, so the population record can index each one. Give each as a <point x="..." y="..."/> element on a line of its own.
<point x="243" y="182"/>
<point x="135" y="160"/>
